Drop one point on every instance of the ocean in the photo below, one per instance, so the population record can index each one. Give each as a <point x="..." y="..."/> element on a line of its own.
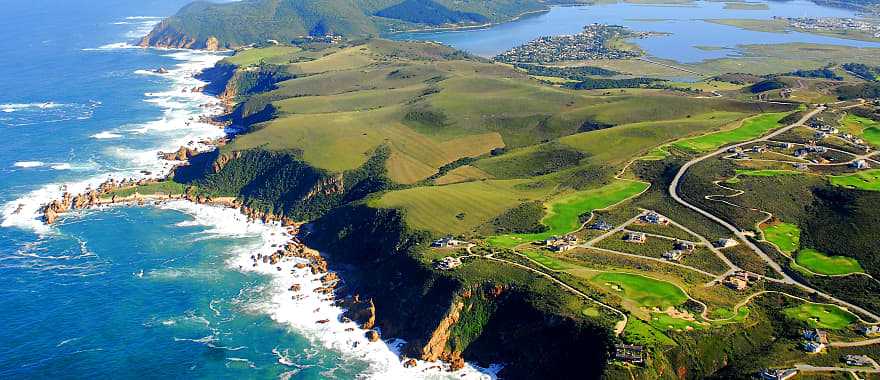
<point x="140" y="292"/>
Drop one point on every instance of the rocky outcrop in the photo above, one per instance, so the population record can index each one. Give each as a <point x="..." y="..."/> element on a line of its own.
<point x="166" y="35"/>
<point x="372" y="335"/>
<point x="328" y="186"/>
<point x="224" y="159"/>
<point x="360" y="311"/>
<point x="436" y="345"/>
<point x="182" y="154"/>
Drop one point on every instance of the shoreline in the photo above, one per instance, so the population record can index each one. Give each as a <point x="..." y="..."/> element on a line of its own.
<point x="304" y="296"/>
<point x="481" y="26"/>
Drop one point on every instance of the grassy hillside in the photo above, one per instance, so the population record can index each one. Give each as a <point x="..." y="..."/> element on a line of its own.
<point x="386" y="145"/>
<point x="203" y="24"/>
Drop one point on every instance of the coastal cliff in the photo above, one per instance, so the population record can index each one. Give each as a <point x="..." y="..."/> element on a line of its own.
<point x="165" y="35"/>
<point x="513" y="319"/>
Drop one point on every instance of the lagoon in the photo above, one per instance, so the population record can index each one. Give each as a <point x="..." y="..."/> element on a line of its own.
<point x="690" y="38"/>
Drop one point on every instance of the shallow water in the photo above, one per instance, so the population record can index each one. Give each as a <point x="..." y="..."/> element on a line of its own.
<point x="685" y="24"/>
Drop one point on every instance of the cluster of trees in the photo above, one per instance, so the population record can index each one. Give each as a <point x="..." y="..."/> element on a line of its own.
<point x="825" y="73"/>
<point x="863" y="91"/>
<point x="862" y="71"/>
<point x="580" y="73"/>
<point x="766" y="85"/>
<point x="606" y="83"/>
<point x="429" y="12"/>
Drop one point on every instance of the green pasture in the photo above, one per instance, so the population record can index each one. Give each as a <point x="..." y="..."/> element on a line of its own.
<point x="821" y="315"/>
<point x="818" y="262"/>
<point x="786" y="236"/>
<point x="749" y="129"/>
<point x="644" y="291"/>
<point x="565" y="212"/>
<point x="863" y="180"/>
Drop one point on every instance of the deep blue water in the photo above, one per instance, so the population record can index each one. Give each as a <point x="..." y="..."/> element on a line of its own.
<point x="135" y="292"/>
<point x="685" y="24"/>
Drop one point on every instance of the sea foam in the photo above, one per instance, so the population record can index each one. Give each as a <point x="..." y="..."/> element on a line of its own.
<point x="179" y="126"/>
<point x="301" y="314"/>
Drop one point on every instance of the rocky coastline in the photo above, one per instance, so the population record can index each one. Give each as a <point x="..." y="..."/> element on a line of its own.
<point x="356" y="309"/>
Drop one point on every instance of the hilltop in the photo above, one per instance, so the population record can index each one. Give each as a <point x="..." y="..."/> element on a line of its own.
<point x="204" y="25"/>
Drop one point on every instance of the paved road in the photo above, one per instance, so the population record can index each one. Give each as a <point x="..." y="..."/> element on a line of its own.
<point x="674" y="192"/>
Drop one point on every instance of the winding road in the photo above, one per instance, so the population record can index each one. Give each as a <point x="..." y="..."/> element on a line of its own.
<point x="674" y="193"/>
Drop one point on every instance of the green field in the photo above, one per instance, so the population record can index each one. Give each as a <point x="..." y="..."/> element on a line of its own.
<point x="821" y="316"/>
<point x="867" y="129"/>
<point x="546" y="261"/>
<point x="749" y="129"/>
<point x="645" y="291"/>
<point x="766" y="172"/>
<point x="565" y="211"/>
<point x="664" y="322"/>
<point x="863" y="180"/>
<point x="818" y="262"/>
<point x="163" y="188"/>
<point x="458" y="208"/>
<point x="786" y="236"/>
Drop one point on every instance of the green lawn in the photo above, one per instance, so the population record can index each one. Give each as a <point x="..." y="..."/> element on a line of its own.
<point x="545" y="260"/>
<point x="163" y="187"/>
<point x="645" y="291"/>
<point x="766" y="172"/>
<point x="786" y="236"/>
<point x="459" y="208"/>
<point x="818" y="262"/>
<point x="867" y="129"/>
<point x="821" y="316"/>
<point x="638" y="331"/>
<point x="750" y="128"/>
<point x="863" y="180"/>
<point x="565" y="211"/>
<point x="664" y="322"/>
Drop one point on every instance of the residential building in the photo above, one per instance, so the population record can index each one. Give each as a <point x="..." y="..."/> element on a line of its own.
<point x="563" y="247"/>
<point x="684" y="246"/>
<point x="777" y="374"/>
<point x="859" y="164"/>
<point x="812" y="347"/>
<point x="446" y="242"/>
<point x="871" y="330"/>
<point x="601" y="225"/>
<point x="725" y="243"/>
<point x="630" y="353"/>
<point x="447" y="263"/>
<point x="736" y="283"/>
<point x="655" y="218"/>
<point x="635" y="237"/>
<point x="816" y="335"/>
<point x="674" y="255"/>
<point x="858" y="360"/>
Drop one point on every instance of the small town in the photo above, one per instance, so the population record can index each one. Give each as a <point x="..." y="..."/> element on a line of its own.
<point x="592" y="43"/>
<point x="834" y="24"/>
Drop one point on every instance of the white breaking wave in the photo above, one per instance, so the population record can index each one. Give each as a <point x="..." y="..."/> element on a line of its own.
<point x="28" y="164"/>
<point x="13" y="107"/>
<point x="179" y="126"/>
<point x="302" y="312"/>
<point x="106" y="135"/>
<point x="22" y="114"/>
